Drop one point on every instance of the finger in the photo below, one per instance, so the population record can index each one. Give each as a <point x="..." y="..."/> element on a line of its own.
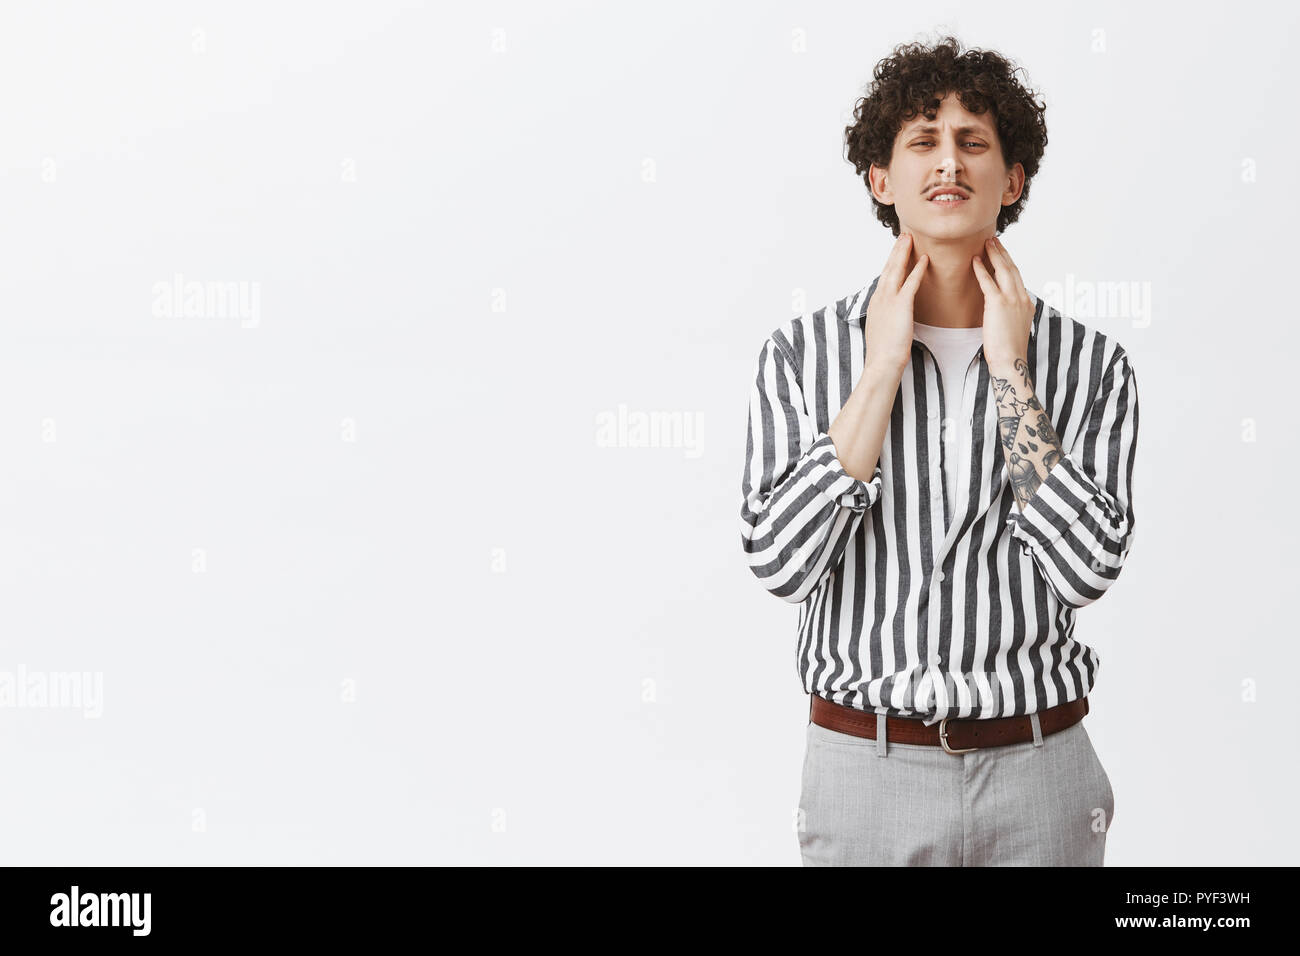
<point x="1010" y="263"/>
<point x="897" y="261"/>
<point x="982" y="277"/>
<point x="1004" y="270"/>
<point x="914" y="280"/>
<point x="998" y="260"/>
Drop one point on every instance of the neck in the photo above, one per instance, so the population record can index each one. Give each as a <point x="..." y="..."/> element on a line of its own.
<point x="950" y="296"/>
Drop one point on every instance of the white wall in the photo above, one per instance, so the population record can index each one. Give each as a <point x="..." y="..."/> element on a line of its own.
<point x="474" y="229"/>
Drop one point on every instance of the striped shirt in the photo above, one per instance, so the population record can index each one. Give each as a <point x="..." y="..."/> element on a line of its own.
<point x="911" y="604"/>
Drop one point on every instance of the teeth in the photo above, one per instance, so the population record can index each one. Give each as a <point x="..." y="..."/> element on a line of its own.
<point x="948" y="197"/>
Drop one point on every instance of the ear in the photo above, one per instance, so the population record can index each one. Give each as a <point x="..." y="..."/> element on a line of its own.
<point x="1015" y="184"/>
<point x="880" y="185"/>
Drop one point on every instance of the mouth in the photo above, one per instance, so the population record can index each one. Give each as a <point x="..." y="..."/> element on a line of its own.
<point x="948" y="199"/>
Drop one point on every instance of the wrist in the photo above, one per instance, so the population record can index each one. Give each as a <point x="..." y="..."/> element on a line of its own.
<point x="885" y="367"/>
<point x="1003" y="366"/>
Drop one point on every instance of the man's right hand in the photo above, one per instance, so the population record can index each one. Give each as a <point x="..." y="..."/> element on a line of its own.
<point x="889" y="315"/>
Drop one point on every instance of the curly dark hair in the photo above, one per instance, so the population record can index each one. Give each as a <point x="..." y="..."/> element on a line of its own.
<point x="914" y="80"/>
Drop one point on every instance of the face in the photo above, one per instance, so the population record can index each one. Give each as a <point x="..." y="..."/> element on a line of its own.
<point x="957" y="149"/>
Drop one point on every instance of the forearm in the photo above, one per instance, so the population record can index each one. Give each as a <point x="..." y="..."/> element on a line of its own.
<point x="1029" y="442"/>
<point x="859" y="429"/>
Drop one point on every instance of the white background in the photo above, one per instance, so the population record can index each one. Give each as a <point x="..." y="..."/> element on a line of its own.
<point x="474" y="229"/>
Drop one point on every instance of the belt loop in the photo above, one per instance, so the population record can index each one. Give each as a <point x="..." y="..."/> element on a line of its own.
<point x="1038" y="730"/>
<point x="882" y="743"/>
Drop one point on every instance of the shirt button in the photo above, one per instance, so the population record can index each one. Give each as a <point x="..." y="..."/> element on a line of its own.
<point x="940" y="575"/>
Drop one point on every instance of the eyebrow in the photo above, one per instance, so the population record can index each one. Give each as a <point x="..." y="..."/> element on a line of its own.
<point x="961" y="130"/>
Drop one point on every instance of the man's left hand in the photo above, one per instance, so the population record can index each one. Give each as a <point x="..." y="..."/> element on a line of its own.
<point x="1008" y="308"/>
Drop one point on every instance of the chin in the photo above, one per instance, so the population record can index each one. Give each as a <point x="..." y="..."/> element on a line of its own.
<point x="956" y="227"/>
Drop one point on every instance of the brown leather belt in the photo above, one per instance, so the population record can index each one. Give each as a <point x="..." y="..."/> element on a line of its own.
<point x="956" y="735"/>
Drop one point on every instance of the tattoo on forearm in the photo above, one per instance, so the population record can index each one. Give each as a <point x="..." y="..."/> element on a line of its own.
<point x="1029" y="441"/>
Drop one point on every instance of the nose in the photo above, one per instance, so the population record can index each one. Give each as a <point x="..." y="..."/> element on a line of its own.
<point x="947" y="170"/>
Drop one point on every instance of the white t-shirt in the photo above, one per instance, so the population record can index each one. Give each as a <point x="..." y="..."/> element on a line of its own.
<point x="953" y="349"/>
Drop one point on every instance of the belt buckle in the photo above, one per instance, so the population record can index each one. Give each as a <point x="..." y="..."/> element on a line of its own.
<point x="943" y="738"/>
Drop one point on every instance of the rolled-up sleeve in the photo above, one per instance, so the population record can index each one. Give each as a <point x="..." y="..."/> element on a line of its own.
<point x="1078" y="526"/>
<point x="800" y="507"/>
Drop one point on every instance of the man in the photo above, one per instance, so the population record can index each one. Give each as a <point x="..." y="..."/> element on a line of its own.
<point x="939" y="474"/>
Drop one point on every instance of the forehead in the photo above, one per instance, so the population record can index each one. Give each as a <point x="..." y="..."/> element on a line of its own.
<point x="952" y="113"/>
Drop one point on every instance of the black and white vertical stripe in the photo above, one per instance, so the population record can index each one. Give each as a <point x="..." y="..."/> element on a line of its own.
<point x="896" y="614"/>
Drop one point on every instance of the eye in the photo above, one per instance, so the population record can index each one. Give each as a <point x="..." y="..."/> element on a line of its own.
<point x="969" y="142"/>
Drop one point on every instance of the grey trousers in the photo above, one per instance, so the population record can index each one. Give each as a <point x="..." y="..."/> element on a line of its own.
<point x="863" y="802"/>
